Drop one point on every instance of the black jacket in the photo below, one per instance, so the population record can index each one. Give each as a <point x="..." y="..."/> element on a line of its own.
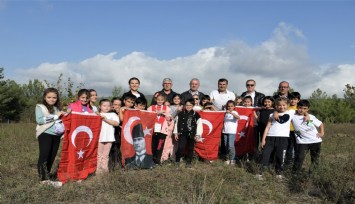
<point x="258" y="99"/>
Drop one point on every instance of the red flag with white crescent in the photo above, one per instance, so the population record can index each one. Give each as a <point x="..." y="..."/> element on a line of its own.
<point x="245" y="139"/>
<point x="79" y="150"/>
<point x="207" y="146"/>
<point x="132" y="118"/>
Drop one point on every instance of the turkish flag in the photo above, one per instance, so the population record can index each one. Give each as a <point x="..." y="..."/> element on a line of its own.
<point x="79" y="150"/>
<point x="207" y="147"/>
<point x="132" y="119"/>
<point x="245" y="139"/>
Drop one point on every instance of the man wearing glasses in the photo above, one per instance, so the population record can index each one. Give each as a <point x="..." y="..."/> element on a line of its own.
<point x="220" y="97"/>
<point x="284" y="88"/>
<point x="257" y="97"/>
<point x="194" y="85"/>
<point x="166" y="91"/>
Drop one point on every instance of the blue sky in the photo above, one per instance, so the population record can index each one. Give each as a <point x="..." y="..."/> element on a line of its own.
<point x="64" y="34"/>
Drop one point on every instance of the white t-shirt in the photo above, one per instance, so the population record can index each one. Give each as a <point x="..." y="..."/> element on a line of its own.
<point x="107" y="133"/>
<point x="220" y="99"/>
<point x="306" y="132"/>
<point x="281" y="128"/>
<point x="230" y="123"/>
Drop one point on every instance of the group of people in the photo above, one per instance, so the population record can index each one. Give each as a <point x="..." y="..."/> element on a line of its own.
<point x="285" y="130"/>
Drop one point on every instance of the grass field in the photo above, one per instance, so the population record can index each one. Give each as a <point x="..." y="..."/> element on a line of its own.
<point x="332" y="182"/>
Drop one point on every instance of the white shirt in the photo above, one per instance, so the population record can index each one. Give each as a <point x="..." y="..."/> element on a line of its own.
<point x="281" y="128"/>
<point x="107" y="133"/>
<point x="252" y="95"/>
<point x="306" y="132"/>
<point x="230" y="123"/>
<point x="220" y="99"/>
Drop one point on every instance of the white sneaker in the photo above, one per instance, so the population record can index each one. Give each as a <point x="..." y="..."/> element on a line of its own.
<point x="228" y="162"/>
<point x="233" y="162"/>
<point x="56" y="184"/>
<point x="259" y="177"/>
<point x="280" y="177"/>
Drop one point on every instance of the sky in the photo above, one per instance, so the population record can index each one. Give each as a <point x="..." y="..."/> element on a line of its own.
<point x="310" y="44"/>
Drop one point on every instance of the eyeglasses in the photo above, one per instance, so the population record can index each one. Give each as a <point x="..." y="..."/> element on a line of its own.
<point x="283" y="87"/>
<point x="250" y="84"/>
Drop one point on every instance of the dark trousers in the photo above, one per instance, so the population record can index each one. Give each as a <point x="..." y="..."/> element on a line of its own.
<point x="279" y="145"/>
<point x="302" y="150"/>
<point x="183" y="140"/>
<point x="48" y="147"/>
<point x="115" y="156"/>
<point x="158" y="142"/>
<point x="290" y="148"/>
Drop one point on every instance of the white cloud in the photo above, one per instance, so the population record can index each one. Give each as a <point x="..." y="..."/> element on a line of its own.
<point x="282" y="57"/>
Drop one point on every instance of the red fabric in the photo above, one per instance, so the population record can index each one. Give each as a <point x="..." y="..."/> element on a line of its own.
<point x="147" y="119"/>
<point x="211" y="136"/>
<point x="245" y="139"/>
<point x="76" y="107"/>
<point x="79" y="154"/>
<point x="159" y="119"/>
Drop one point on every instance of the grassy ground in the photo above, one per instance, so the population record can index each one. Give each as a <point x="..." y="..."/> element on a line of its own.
<point x="332" y="182"/>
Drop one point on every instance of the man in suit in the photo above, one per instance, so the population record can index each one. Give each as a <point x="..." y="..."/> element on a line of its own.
<point x="257" y="97"/>
<point x="194" y="86"/>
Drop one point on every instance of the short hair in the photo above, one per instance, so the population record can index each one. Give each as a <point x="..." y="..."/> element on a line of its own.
<point x="230" y="101"/>
<point x="179" y="95"/>
<point x="141" y="101"/>
<point x="167" y="79"/>
<point x="251" y="80"/>
<point x="83" y="91"/>
<point x="104" y="100"/>
<point x="288" y="84"/>
<point x="295" y="95"/>
<point x="222" y="80"/>
<point x="190" y="100"/>
<point x="247" y="97"/>
<point x="207" y="104"/>
<point x="134" y="78"/>
<point x="130" y="96"/>
<point x="195" y="79"/>
<point x="204" y="97"/>
<point x="304" y="103"/>
<point x="116" y="99"/>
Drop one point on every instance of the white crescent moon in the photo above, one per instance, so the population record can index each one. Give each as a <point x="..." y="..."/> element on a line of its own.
<point x="208" y="123"/>
<point x="81" y="129"/>
<point x="127" y="129"/>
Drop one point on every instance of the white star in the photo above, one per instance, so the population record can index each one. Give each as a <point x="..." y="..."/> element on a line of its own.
<point x="242" y="134"/>
<point x="200" y="139"/>
<point x="147" y="131"/>
<point x="80" y="154"/>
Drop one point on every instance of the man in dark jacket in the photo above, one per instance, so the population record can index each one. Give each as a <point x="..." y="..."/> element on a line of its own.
<point x="257" y="97"/>
<point x="284" y="88"/>
<point x="166" y="91"/>
<point x="194" y="85"/>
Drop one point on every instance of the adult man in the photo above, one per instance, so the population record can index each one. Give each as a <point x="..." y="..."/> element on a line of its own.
<point x="194" y="85"/>
<point x="220" y="97"/>
<point x="166" y="91"/>
<point x="256" y="97"/>
<point x="141" y="158"/>
<point x="283" y="90"/>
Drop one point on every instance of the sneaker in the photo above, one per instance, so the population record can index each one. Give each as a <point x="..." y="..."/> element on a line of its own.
<point x="45" y="182"/>
<point x="280" y="177"/>
<point x="177" y="164"/>
<point x="233" y="162"/>
<point x="259" y="177"/>
<point x="188" y="165"/>
<point x="56" y="184"/>
<point x="228" y="162"/>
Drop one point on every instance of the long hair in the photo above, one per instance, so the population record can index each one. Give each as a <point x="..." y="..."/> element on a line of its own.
<point x="57" y="103"/>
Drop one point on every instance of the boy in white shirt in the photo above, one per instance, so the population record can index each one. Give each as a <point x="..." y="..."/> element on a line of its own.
<point x="307" y="136"/>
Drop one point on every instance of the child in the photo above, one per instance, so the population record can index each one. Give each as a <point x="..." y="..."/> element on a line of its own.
<point x="109" y="120"/>
<point x="140" y="103"/>
<point x="230" y="131"/>
<point x="48" y="133"/>
<point x="93" y="98"/>
<point x="115" y="152"/>
<point x="276" y="137"/>
<point x="205" y="99"/>
<point x="160" y="128"/>
<point x="209" y="107"/>
<point x="307" y="136"/>
<point x="188" y="128"/>
<point x="82" y="105"/>
<point x="128" y="103"/>
<point x="176" y="107"/>
<point x="247" y="101"/>
<point x="197" y="106"/>
<point x="263" y="116"/>
<point x="294" y="98"/>
<point x="238" y="101"/>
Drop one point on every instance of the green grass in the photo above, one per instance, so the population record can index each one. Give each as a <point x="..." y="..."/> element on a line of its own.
<point x="332" y="182"/>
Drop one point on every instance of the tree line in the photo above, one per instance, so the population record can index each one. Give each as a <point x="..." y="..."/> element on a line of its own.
<point x="17" y="101"/>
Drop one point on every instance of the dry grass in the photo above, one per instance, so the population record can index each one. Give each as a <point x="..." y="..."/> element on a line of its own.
<point x="332" y="182"/>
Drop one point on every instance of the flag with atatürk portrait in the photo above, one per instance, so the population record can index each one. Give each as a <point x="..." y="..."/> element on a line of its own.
<point x="137" y="123"/>
<point x="207" y="146"/>
<point x="245" y="139"/>
<point x="79" y="150"/>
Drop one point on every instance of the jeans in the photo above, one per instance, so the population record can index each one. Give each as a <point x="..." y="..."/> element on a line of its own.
<point x="229" y="140"/>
